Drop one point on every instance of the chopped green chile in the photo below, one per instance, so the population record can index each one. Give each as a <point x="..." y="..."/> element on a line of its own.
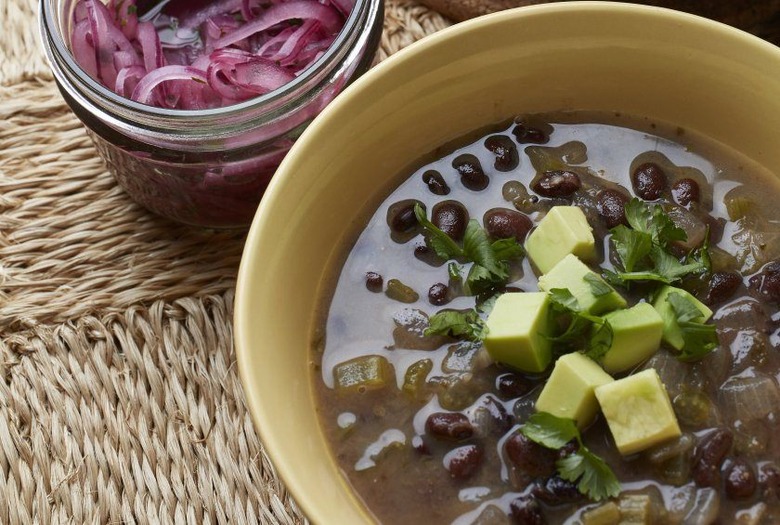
<point x="379" y="364"/>
<point x="398" y="291"/>
<point x="363" y="373"/>
<point x="415" y="380"/>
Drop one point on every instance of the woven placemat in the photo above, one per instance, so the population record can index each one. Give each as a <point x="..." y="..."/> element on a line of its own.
<point x="119" y="398"/>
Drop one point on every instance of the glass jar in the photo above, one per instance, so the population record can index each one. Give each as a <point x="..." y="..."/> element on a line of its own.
<point x="205" y="167"/>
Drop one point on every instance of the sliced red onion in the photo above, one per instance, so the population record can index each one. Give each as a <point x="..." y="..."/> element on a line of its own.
<point x="127" y="79"/>
<point x="143" y="91"/>
<point x="288" y="53"/>
<point x="277" y="13"/>
<point x="222" y="7"/>
<point x="344" y="6"/>
<point x="227" y="51"/>
<point x="83" y="50"/>
<point x="124" y="14"/>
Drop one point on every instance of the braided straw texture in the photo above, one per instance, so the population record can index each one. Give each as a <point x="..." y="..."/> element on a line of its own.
<point x="119" y="395"/>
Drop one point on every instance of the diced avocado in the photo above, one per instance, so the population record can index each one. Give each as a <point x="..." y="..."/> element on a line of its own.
<point x="569" y="391"/>
<point x="369" y="372"/>
<point x="672" y="333"/>
<point x="574" y="275"/>
<point x="636" y="335"/>
<point x="563" y="231"/>
<point x="517" y="327"/>
<point x="638" y="411"/>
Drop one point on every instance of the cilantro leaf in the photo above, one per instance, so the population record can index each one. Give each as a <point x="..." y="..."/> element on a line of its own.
<point x="461" y="324"/>
<point x="444" y="246"/>
<point x="584" y="330"/>
<point x="670" y="268"/>
<point x="490" y="260"/>
<point x="562" y="300"/>
<point x="507" y="249"/>
<point x="549" y="430"/>
<point x="476" y="247"/>
<point x="601" y="340"/>
<point x="592" y="475"/>
<point x="597" y="287"/>
<point x="632" y="246"/>
<point x="653" y="220"/>
<point x="642" y="251"/>
<point x="700" y="339"/>
<point x="684" y="308"/>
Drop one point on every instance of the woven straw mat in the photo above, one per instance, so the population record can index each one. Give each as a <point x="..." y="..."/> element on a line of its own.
<point x="119" y="400"/>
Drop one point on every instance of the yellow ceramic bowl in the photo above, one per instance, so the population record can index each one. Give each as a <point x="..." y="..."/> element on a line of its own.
<point x="566" y="56"/>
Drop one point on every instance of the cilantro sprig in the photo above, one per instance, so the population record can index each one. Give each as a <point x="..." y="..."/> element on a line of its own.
<point x="461" y="324"/>
<point x="583" y="330"/>
<point x="643" y="249"/>
<point x="592" y="475"/>
<point x="490" y="267"/>
<point x="699" y="339"/>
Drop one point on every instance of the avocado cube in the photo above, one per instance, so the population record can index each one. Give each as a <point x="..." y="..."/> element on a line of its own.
<point x="563" y="231"/>
<point x="638" y="411"/>
<point x="569" y="390"/>
<point x="517" y="330"/>
<point x="672" y="333"/>
<point x="574" y="275"/>
<point x="636" y="335"/>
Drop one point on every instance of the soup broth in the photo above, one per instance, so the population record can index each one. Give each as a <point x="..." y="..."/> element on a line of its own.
<point x="428" y="428"/>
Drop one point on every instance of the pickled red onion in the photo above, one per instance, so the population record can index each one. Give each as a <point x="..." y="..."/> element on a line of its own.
<point x="226" y="51"/>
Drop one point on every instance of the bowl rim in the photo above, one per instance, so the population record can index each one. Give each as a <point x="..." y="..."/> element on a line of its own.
<point x="259" y="234"/>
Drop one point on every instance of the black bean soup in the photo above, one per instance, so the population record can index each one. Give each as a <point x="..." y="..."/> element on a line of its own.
<point x="426" y="427"/>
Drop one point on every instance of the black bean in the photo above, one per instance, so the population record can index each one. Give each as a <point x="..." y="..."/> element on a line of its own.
<point x="427" y="255"/>
<point x="449" y="426"/>
<point x="435" y="182"/>
<point x="685" y="191"/>
<point x="471" y="173"/>
<point x="451" y="217"/>
<point x="503" y="223"/>
<point x="649" y="181"/>
<point x="525" y="510"/>
<point x="767" y="282"/>
<point x="505" y="150"/>
<point x="511" y="385"/>
<point x="374" y="282"/>
<point x="438" y="294"/>
<point x="491" y="417"/>
<point x="526" y="134"/>
<point x="464" y="461"/>
<point x="532" y="458"/>
<point x="402" y="221"/>
<point x="611" y="205"/>
<point x="709" y="455"/>
<point x="741" y="480"/>
<point x="557" y="491"/>
<point x="722" y="286"/>
<point x="556" y="183"/>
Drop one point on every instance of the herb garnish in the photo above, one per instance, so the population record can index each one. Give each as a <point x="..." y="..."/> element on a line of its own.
<point x="461" y="324"/>
<point x="642" y="250"/>
<point x="490" y="267"/>
<point x="592" y="475"/>
<point x="583" y="330"/>
<point x="699" y="339"/>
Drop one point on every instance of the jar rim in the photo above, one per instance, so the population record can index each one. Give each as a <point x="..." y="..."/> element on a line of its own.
<point x="54" y="42"/>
